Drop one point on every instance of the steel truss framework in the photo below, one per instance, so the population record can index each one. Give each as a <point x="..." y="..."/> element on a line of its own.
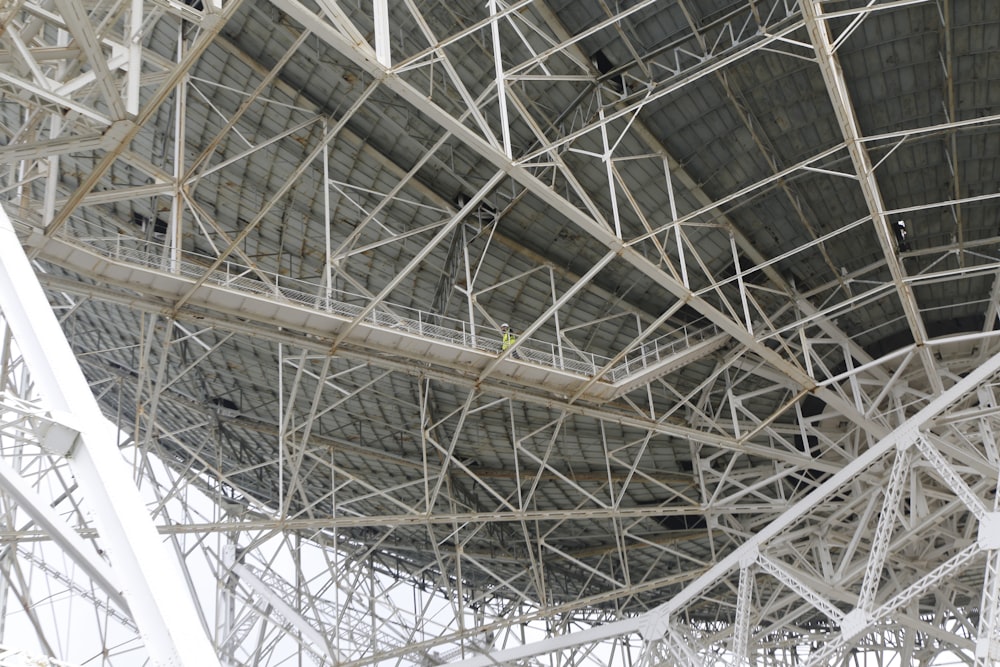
<point x="751" y="256"/>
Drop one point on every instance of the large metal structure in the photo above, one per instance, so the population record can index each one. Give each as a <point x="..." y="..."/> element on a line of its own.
<point x="749" y="249"/>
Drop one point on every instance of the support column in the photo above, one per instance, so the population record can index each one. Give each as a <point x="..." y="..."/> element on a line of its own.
<point x="151" y="580"/>
<point x="741" y="634"/>
<point x="176" y="227"/>
<point x="501" y="83"/>
<point x="988" y="643"/>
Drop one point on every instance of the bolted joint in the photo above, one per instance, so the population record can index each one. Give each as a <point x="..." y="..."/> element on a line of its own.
<point x="987" y="649"/>
<point x="989" y="531"/>
<point x="229" y="555"/>
<point x="655" y="626"/>
<point x="58" y="436"/>
<point x="749" y="557"/>
<point x="855" y="622"/>
<point x="908" y="437"/>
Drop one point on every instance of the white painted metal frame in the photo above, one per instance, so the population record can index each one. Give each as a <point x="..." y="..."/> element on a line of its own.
<point x="792" y="534"/>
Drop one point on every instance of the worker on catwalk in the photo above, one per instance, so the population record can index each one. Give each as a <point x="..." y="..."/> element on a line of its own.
<point x="507" y="337"/>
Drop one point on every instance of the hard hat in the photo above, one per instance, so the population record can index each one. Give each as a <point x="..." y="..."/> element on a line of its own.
<point x="505" y="326"/>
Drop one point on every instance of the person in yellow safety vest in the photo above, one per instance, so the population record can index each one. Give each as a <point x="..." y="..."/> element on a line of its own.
<point x="508" y="337"/>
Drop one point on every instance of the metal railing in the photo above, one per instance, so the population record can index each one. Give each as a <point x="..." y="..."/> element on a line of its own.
<point x="229" y="275"/>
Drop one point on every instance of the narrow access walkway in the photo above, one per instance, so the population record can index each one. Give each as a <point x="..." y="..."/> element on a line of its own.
<point x="425" y="337"/>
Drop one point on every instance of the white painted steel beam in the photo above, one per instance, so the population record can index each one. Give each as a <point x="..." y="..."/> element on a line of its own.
<point x="150" y="579"/>
<point x="988" y="642"/>
<point x="840" y="97"/>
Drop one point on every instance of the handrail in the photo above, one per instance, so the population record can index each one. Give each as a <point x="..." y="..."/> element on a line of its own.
<point x="231" y="275"/>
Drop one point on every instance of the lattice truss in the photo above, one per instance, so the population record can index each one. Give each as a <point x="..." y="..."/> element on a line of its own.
<point x="749" y="250"/>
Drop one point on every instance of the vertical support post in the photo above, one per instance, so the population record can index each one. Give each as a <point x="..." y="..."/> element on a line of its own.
<point x="806" y="351"/>
<point x="281" y="429"/>
<point x="555" y="315"/>
<point x="677" y="228"/>
<point x="739" y="281"/>
<point x="906" y="654"/>
<point x="19" y="169"/>
<point x="226" y="613"/>
<point x="987" y="400"/>
<point x="734" y="406"/>
<point x="328" y="269"/>
<point x="369" y="571"/>
<point x="988" y="643"/>
<point x="52" y="177"/>
<point x="152" y="581"/>
<point x="7" y="384"/>
<point x="55" y="128"/>
<point x="425" y="423"/>
<point x="609" y="168"/>
<point x="176" y="209"/>
<point x="382" y="51"/>
<point x="296" y="614"/>
<point x="134" y="40"/>
<point x="883" y="531"/>
<point x="6" y="558"/>
<point x="336" y="574"/>
<point x="468" y="288"/>
<point x="855" y="385"/>
<point x="644" y="348"/>
<point x="501" y="86"/>
<point x="741" y="634"/>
